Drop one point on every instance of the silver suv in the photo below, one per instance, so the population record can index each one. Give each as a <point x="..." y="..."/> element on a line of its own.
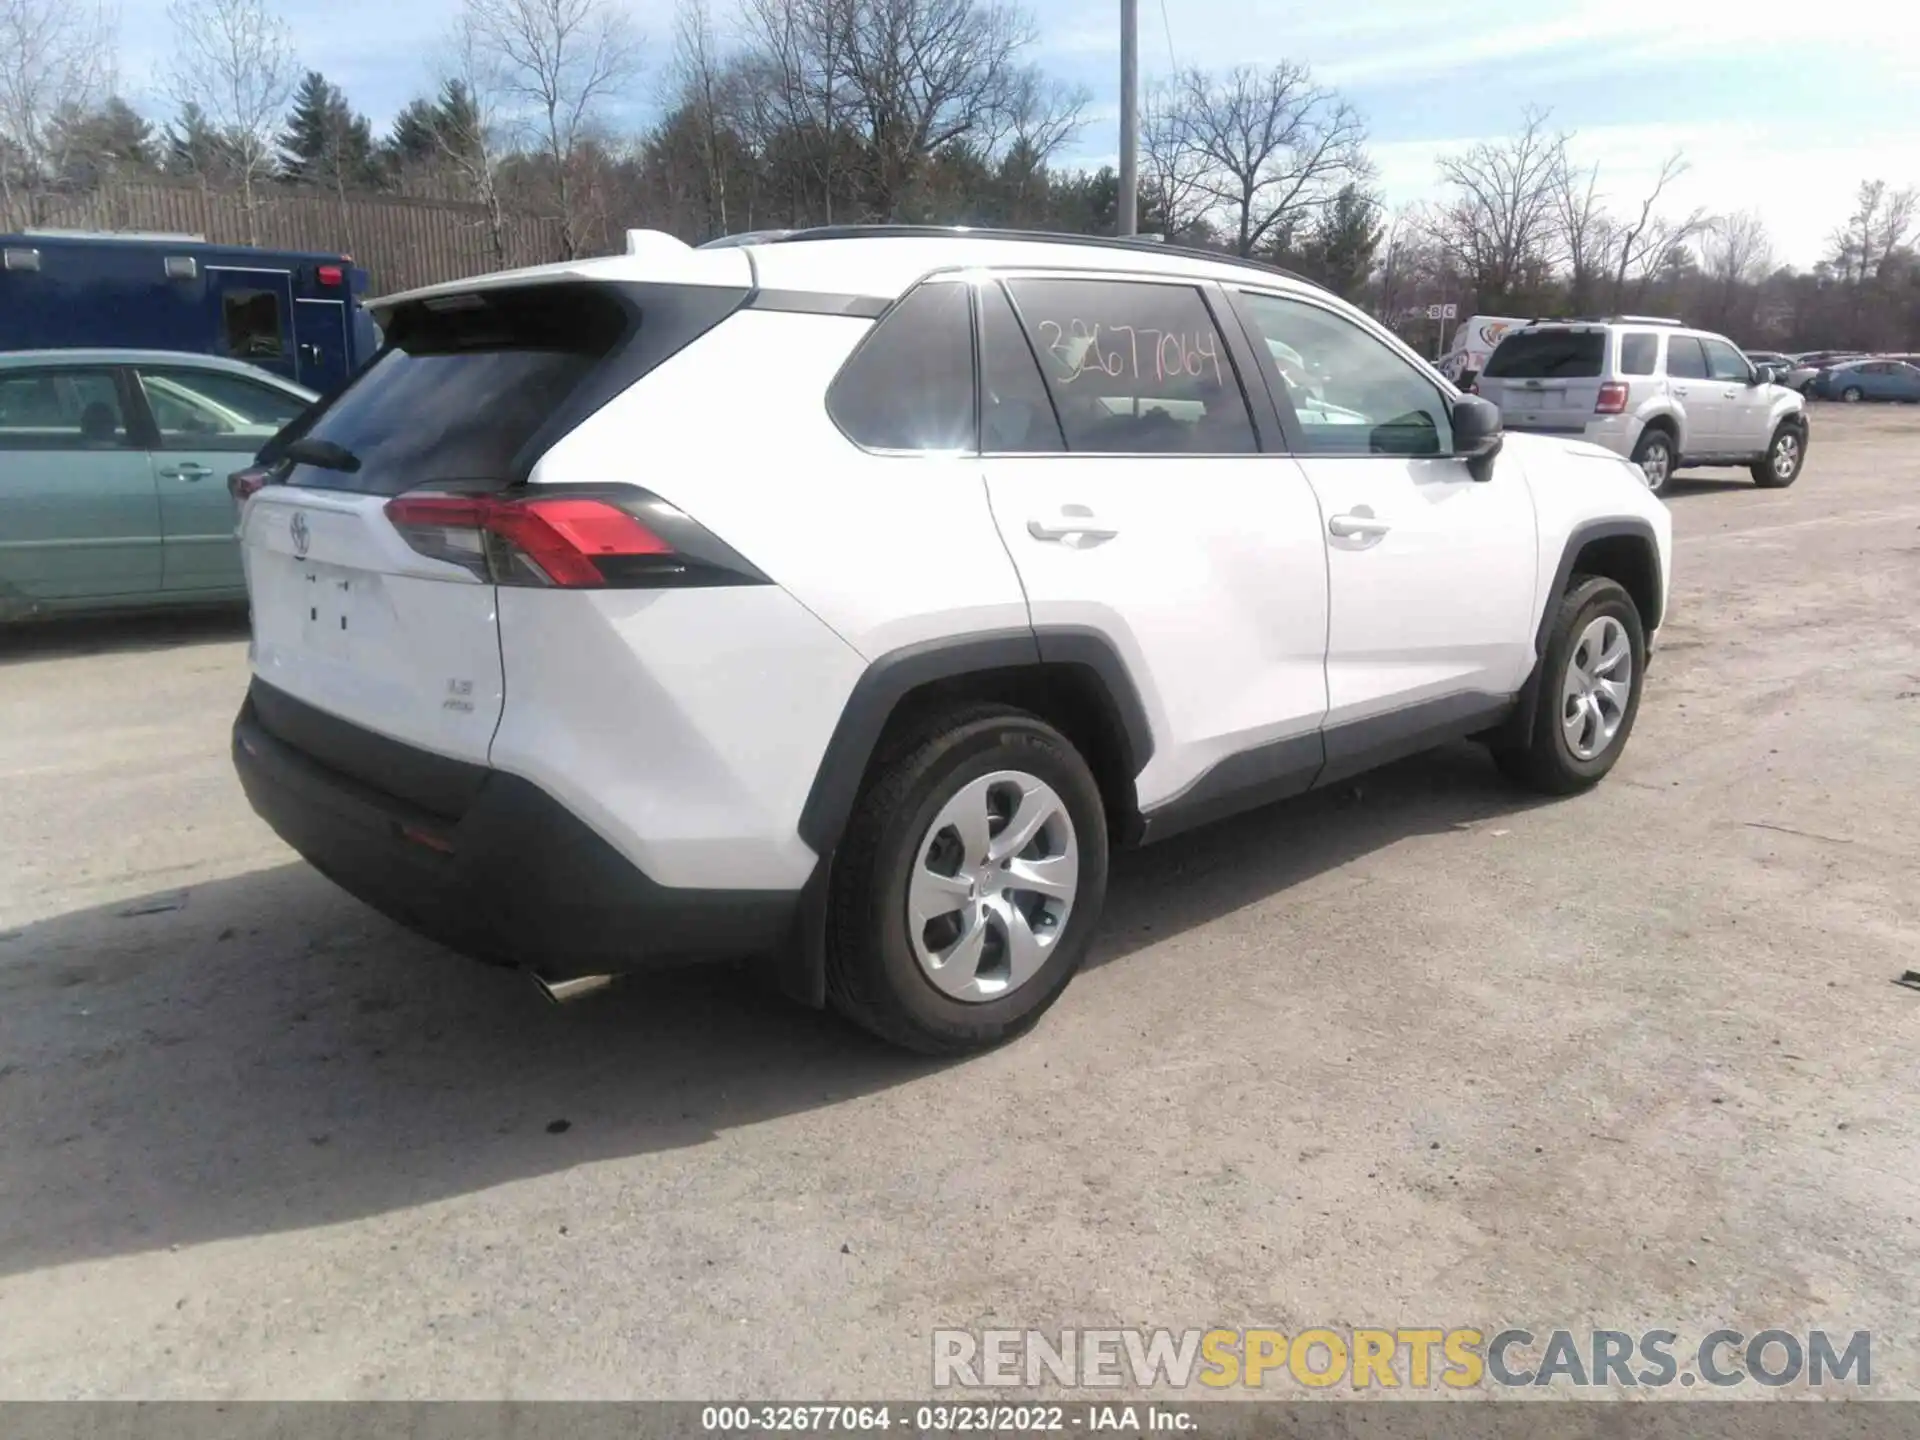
<point x="1656" y="391"/>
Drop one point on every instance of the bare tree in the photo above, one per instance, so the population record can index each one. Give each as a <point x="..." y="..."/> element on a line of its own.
<point x="1736" y="248"/>
<point x="1498" y="222"/>
<point x="800" y="92"/>
<point x="1172" y="169"/>
<point x="1641" y="247"/>
<point x="703" y="89"/>
<point x="469" y="134"/>
<point x="56" y="61"/>
<point x="1272" y="147"/>
<point x="235" y="61"/>
<point x="558" y="62"/>
<point x="1585" y="229"/>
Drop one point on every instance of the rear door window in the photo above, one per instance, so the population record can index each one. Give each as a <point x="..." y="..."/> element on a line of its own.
<point x="1135" y="368"/>
<point x="909" y="386"/>
<point x="1685" y="359"/>
<point x="61" y="409"/>
<point x="1638" y="354"/>
<point x="1016" y="415"/>
<point x="459" y="391"/>
<point x="1549" y="355"/>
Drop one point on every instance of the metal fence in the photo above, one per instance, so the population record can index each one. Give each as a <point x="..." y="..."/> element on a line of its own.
<point x="400" y="241"/>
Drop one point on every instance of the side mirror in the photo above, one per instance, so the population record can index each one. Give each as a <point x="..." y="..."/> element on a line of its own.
<point x="1477" y="436"/>
<point x="1765" y="375"/>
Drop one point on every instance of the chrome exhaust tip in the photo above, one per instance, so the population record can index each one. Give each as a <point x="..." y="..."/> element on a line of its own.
<point x="559" y="992"/>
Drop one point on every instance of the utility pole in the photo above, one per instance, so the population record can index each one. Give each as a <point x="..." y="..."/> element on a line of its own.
<point x="1129" y="117"/>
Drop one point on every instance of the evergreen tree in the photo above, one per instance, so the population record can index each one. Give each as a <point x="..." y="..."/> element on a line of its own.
<point x="193" y="147"/>
<point x="1339" y="248"/>
<point x="107" y="143"/>
<point x="325" y="143"/>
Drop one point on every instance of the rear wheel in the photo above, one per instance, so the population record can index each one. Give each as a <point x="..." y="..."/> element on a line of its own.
<point x="1656" y="457"/>
<point x="1853" y="394"/>
<point x="1590" y="681"/>
<point x="1786" y="454"/>
<point x="969" y="883"/>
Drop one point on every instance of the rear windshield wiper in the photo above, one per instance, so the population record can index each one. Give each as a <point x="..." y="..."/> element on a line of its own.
<point x="324" y="453"/>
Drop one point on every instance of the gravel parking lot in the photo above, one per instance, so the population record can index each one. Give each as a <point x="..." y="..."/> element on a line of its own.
<point x="1418" y="1051"/>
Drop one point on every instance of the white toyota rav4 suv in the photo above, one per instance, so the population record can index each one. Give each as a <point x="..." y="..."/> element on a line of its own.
<point x="840" y="598"/>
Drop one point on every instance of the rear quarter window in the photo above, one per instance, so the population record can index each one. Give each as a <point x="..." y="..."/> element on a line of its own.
<point x="1549" y="355"/>
<point x="909" y="385"/>
<point x="1639" y="354"/>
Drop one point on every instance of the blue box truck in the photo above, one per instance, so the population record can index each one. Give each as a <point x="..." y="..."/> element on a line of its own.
<point x="298" y="315"/>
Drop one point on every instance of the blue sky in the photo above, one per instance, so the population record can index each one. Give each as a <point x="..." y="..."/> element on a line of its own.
<point x="1775" y="111"/>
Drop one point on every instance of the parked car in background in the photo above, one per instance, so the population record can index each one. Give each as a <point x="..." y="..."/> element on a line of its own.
<point x="1664" y="395"/>
<point x="1807" y="366"/>
<point x="1779" y="362"/>
<point x="1473" y="341"/>
<point x="113" y="476"/>
<point x="1869" y="380"/>
<point x="295" y="314"/>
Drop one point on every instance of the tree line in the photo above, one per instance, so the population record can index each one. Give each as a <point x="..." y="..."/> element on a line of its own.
<point x="804" y="112"/>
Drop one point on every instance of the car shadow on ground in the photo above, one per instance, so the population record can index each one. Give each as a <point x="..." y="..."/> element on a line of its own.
<point x="1691" y="484"/>
<point x="262" y="1053"/>
<point x="39" y="640"/>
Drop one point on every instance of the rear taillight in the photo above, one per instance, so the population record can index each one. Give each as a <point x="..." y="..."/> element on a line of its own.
<point x="244" y="484"/>
<point x="1613" y="399"/>
<point x="568" y="541"/>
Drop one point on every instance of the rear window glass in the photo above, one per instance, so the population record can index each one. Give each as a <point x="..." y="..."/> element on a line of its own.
<point x="1549" y="355"/>
<point x="1638" y="354"/>
<point x="459" y="391"/>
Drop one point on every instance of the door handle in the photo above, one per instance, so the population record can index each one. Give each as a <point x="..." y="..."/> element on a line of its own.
<point x="1357" y="526"/>
<point x="1680" y="390"/>
<point x="187" y="471"/>
<point x="1073" y="520"/>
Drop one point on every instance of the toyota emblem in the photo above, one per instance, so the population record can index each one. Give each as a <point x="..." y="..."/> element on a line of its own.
<point x="300" y="536"/>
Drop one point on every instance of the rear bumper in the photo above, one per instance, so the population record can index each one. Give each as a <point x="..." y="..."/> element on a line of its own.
<point x="513" y="878"/>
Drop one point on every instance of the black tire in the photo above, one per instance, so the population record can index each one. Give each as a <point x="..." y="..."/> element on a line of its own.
<point x="1782" y="463"/>
<point x="873" y="976"/>
<point x="1656" y="438"/>
<point x="1853" y="394"/>
<point x="1544" y="760"/>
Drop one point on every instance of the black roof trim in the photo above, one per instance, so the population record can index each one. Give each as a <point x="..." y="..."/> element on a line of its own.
<point x="1142" y="243"/>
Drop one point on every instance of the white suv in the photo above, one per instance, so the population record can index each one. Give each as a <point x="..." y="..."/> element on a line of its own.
<point x="1666" y="396"/>
<point x="839" y="598"/>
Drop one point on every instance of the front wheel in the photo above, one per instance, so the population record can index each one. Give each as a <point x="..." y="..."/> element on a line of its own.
<point x="1655" y="456"/>
<point x="1853" y="394"/>
<point x="969" y="883"/>
<point x="1590" y="680"/>
<point x="1785" y="456"/>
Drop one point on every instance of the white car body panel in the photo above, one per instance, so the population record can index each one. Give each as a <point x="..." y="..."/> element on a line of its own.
<point x="888" y="550"/>
<point x="1213" y="588"/>
<point x="684" y="726"/>
<point x="363" y="627"/>
<point x="1437" y="606"/>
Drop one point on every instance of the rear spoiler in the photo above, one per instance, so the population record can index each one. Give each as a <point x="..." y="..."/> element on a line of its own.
<point x="652" y="257"/>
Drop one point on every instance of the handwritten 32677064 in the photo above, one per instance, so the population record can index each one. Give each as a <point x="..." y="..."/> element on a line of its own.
<point x="1128" y="352"/>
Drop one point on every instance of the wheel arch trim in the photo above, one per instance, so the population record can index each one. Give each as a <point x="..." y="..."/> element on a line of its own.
<point x="891" y="678"/>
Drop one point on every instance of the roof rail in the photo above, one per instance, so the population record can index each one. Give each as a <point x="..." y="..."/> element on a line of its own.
<point x="46" y="232"/>
<point x="1155" y="243"/>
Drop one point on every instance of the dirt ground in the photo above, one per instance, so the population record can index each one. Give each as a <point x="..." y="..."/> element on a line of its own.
<point x="1418" y="1051"/>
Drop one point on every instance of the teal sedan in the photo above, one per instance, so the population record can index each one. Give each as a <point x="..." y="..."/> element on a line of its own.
<point x="113" y="476"/>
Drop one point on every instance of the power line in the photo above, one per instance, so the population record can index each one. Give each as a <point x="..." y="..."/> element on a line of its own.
<point x="1167" y="25"/>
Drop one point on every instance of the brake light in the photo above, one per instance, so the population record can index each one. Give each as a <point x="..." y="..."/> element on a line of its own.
<point x="571" y="542"/>
<point x="1613" y="398"/>
<point x="330" y="275"/>
<point x="242" y="485"/>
